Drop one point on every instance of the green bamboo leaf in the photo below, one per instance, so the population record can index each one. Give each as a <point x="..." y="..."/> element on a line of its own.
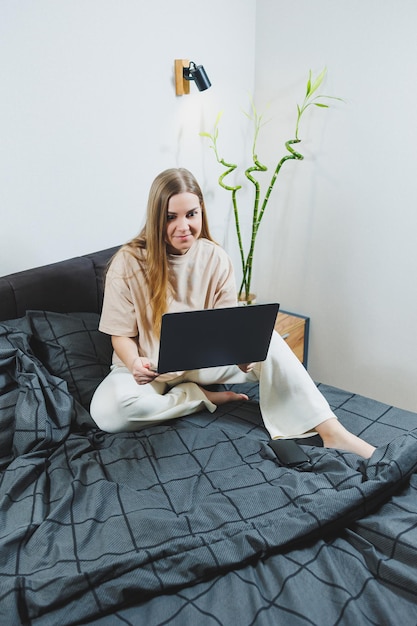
<point x="319" y="104"/>
<point x="218" y="118"/>
<point x="318" y="81"/>
<point x="202" y="134"/>
<point x="308" y="84"/>
<point x="330" y="97"/>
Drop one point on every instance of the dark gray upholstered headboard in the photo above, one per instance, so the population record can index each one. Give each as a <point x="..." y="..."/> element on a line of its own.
<point x="67" y="286"/>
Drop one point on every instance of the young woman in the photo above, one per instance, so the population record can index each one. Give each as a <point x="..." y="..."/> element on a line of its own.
<point x="174" y="265"/>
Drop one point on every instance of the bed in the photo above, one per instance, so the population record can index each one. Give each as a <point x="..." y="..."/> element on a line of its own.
<point x="189" y="522"/>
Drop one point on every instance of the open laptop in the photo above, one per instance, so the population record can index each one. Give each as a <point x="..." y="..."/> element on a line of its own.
<point x="212" y="337"/>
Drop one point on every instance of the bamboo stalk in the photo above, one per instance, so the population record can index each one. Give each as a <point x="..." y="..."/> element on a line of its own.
<point x="259" y="209"/>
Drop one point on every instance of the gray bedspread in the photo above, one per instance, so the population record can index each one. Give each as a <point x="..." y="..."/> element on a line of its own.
<point x="194" y="521"/>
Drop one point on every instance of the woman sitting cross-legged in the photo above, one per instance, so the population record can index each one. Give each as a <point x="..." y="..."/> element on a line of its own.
<point x="174" y="265"/>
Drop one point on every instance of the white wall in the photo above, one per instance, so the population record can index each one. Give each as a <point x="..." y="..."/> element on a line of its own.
<point x="89" y="115"/>
<point x="344" y="221"/>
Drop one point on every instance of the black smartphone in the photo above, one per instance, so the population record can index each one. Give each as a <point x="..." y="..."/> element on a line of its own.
<point x="288" y="452"/>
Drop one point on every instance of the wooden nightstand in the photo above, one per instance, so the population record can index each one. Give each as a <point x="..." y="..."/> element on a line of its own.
<point x="294" y="329"/>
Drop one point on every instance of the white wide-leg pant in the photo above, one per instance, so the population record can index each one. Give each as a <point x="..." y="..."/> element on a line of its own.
<point x="290" y="403"/>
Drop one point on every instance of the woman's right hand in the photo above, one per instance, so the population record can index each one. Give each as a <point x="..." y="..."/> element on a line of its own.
<point x="141" y="370"/>
<point x="126" y="349"/>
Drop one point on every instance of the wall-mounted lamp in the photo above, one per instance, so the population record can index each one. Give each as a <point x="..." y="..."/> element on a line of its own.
<point x="185" y="71"/>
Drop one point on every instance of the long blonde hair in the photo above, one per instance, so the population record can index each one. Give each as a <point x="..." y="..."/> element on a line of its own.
<point x="152" y="237"/>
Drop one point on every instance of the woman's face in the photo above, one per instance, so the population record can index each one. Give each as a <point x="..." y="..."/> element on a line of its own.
<point x="184" y="222"/>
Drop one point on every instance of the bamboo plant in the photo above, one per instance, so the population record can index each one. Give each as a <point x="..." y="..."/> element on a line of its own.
<point x="259" y="205"/>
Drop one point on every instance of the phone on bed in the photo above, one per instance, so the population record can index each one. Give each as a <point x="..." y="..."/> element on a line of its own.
<point x="288" y="452"/>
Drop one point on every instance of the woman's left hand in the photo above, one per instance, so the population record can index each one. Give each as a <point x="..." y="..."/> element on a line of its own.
<point x="246" y="367"/>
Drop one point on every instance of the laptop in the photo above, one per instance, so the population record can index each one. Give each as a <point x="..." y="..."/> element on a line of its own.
<point x="213" y="337"/>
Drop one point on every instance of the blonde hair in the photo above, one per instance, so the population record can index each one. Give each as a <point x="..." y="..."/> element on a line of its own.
<point x="152" y="237"/>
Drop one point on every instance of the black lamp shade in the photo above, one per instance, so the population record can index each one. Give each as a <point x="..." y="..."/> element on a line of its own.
<point x="198" y="75"/>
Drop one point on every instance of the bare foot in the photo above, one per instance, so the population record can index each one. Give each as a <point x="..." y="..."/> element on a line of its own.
<point x="334" y="435"/>
<point x="222" y="397"/>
